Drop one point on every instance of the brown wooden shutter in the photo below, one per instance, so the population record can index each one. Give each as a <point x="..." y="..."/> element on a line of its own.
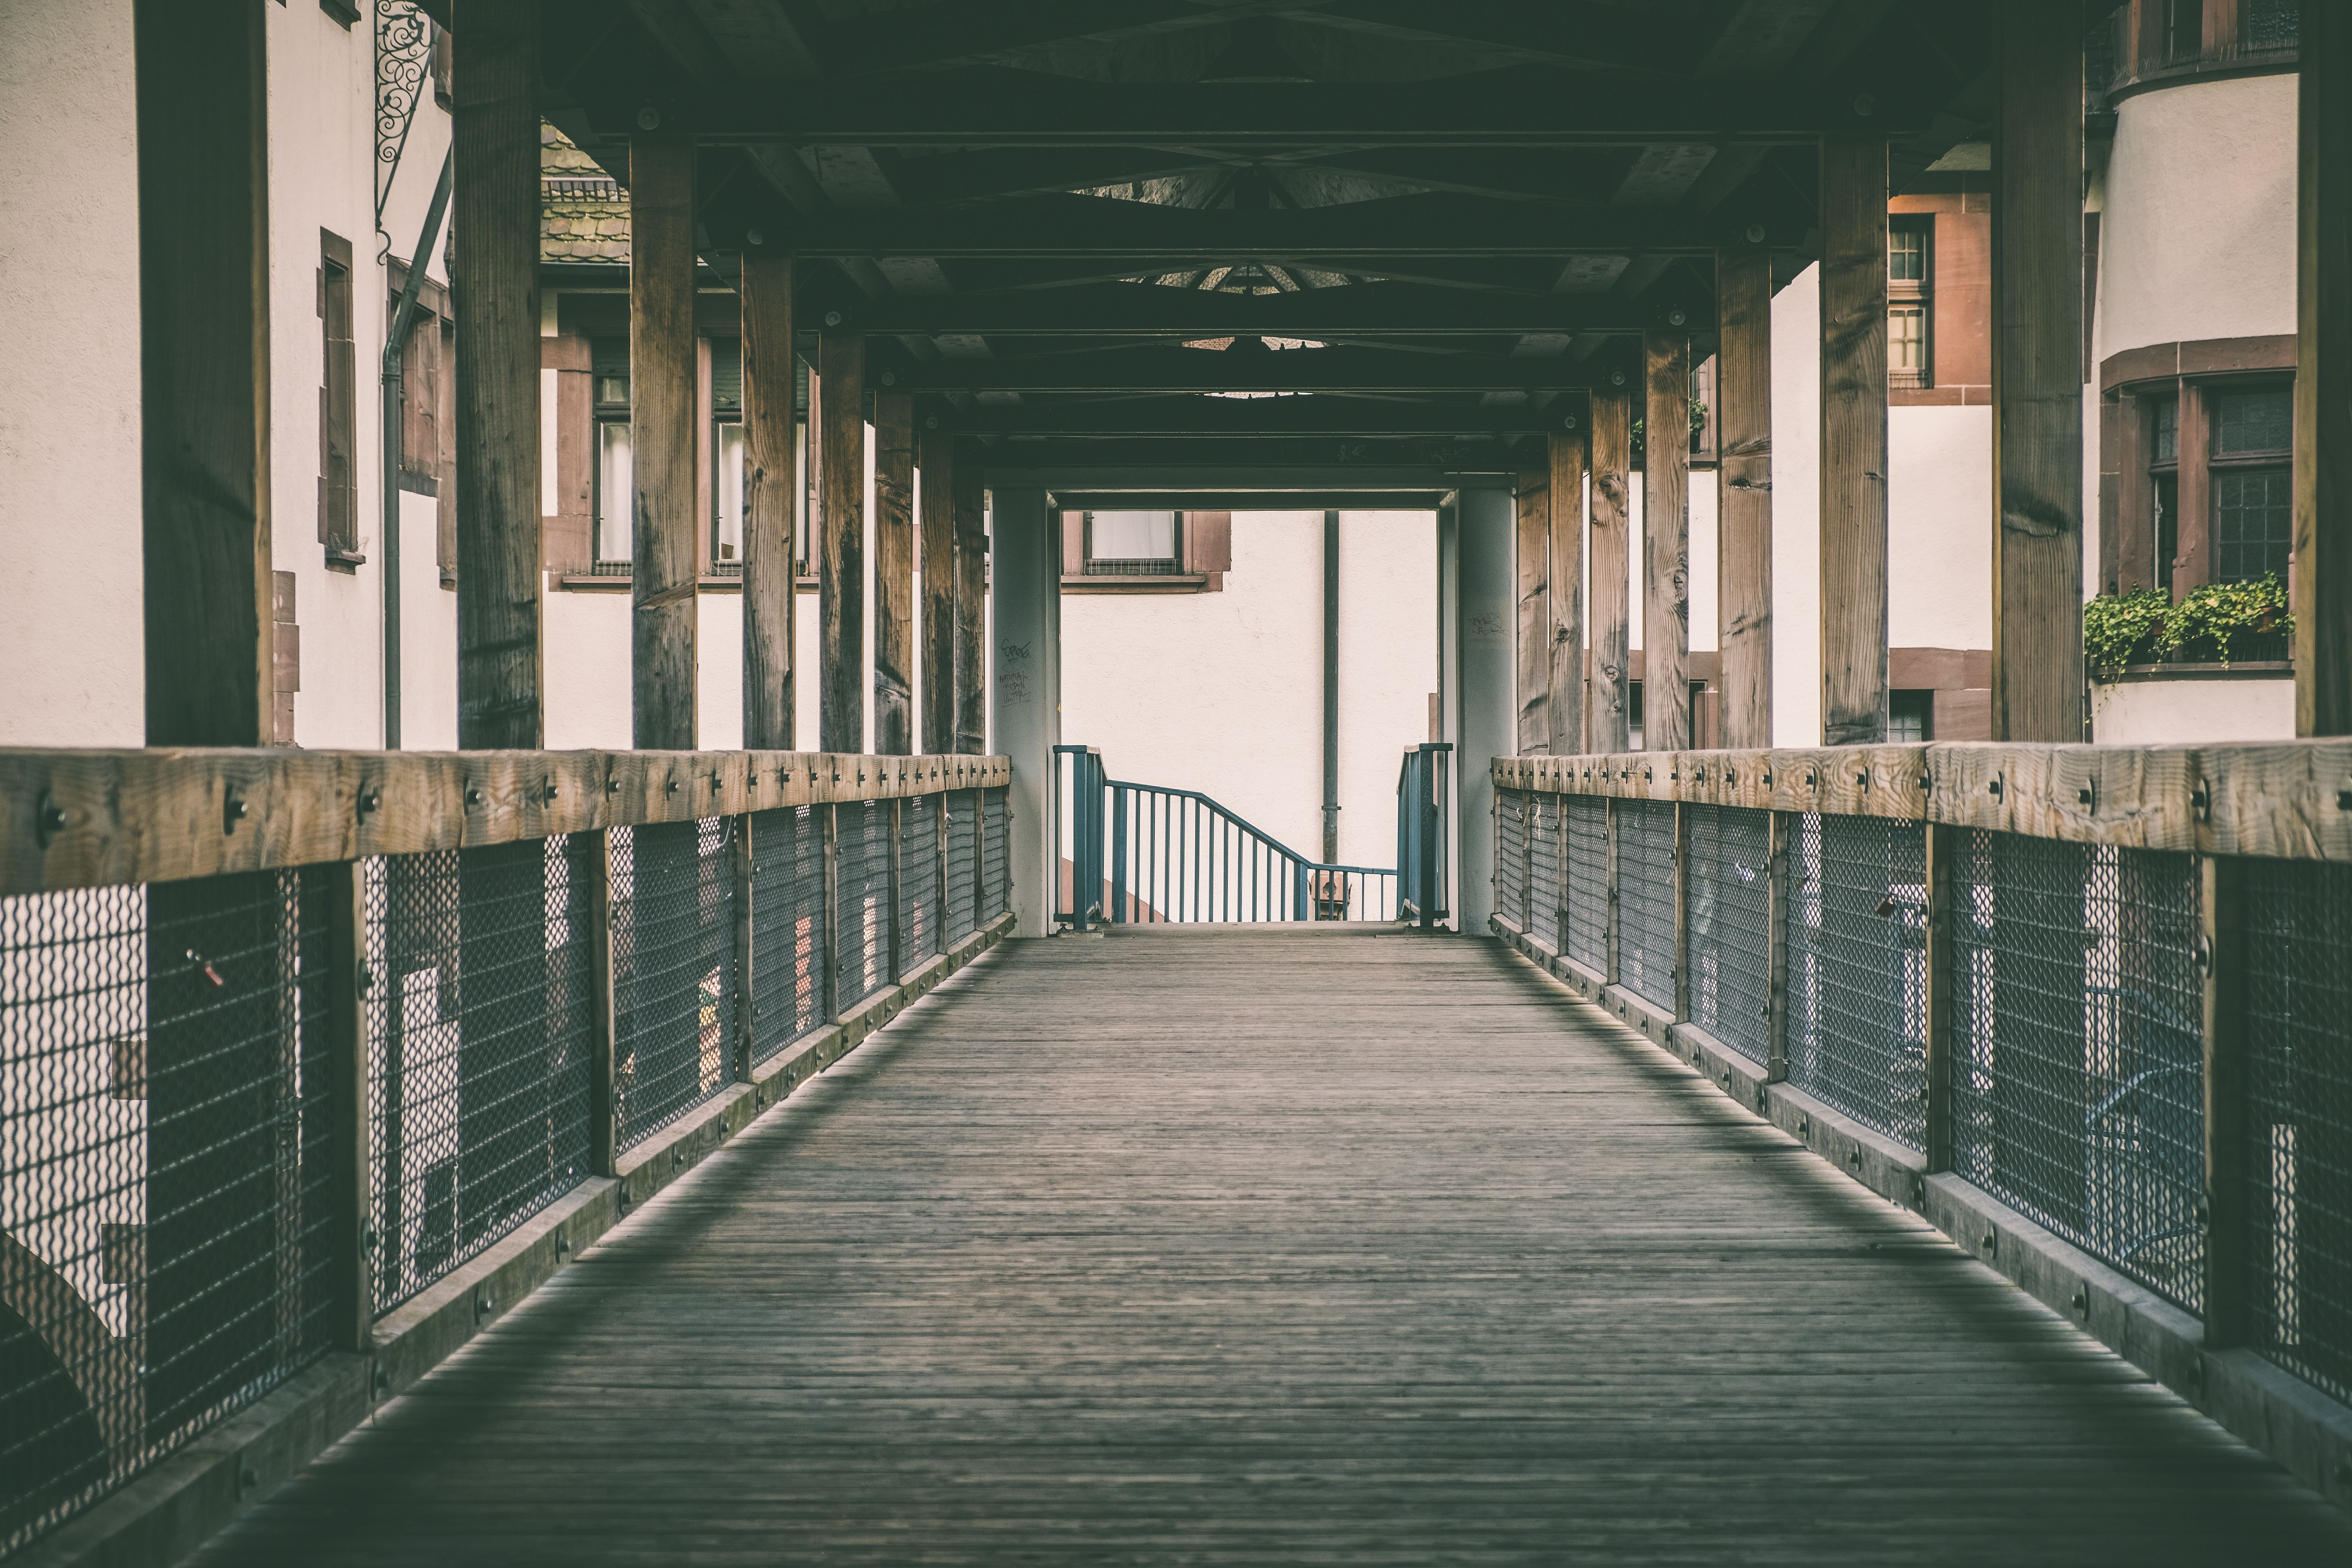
<point x="338" y="406"/>
<point x="1208" y="540"/>
<point x="1074" y="544"/>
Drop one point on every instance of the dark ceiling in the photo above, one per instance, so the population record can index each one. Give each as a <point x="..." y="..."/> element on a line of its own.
<point x="1476" y="206"/>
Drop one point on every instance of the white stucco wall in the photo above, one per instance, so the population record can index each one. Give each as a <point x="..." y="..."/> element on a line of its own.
<point x="1796" y="512"/>
<point x="586" y="637"/>
<point x="2193" y="711"/>
<point x="428" y="640"/>
<point x="72" y="611"/>
<point x="1224" y="692"/>
<point x="2197" y="236"/>
<point x="1940" y="527"/>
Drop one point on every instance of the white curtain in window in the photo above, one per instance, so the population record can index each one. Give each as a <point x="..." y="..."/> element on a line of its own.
<point x="1134" y="536"/>
<point x="615" y="480"/>
<point x="730" y="496"/>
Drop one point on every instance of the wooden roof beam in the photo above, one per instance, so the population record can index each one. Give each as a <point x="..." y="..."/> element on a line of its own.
<point x="1171" y="369"/>
<point x="1121" y="309"/>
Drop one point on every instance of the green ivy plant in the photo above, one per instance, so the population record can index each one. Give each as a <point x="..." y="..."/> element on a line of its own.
<point x="2213" y="625"/>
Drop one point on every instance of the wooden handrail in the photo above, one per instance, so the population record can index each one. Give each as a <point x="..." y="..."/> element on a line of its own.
<point x="102" y="818"/>
<point x="2285" y="799"/>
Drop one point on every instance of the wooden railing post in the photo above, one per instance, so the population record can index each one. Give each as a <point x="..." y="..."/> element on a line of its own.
<point x="1682" y="910"/>
<point x="2220" y="953"/>
<point x="603" y="1109"/>
<point x="348" y="982"/>
<point x="898" y="924"/>
<point x="1942" y="849"/>
<point x="832" y="988"/>
<point x="1611" y="817"/>
<point x="746" y="1010"/>
<point x="1776" y="953"/>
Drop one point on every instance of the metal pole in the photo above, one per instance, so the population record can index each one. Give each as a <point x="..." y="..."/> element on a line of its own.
<point x="394" y="399"/>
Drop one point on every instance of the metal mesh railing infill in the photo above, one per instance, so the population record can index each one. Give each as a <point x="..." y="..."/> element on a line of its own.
<point x="787" y="990"/>
<point x="961" y="898"/>
<point x="996" y="863"/>
<point x="918" y="881"/>
<point x="1645" y="900"/>
<point x="2297" y="949"/>
<point x="862" y="902"/>
<point x="164" y="1171"/>
<point x="1544" y="867"/>
<point x="1728" y="896"/>
<point x="1511" y="855"/>
<point x="1586" y="939"/>
<point x="1856" y="937"/>
<point x="672" y="970"/>
<point x="2078" y="1078"/>
<point x="478" y="1028"/>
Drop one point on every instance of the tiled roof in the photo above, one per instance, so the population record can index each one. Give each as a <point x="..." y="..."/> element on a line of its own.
<point x="584" y="214"/>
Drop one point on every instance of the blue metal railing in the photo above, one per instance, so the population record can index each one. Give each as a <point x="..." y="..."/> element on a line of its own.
<point x="1423" y="783"/>
<point x="1150" y="853"/>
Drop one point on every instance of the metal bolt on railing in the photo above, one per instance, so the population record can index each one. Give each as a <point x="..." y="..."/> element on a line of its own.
<point x="472" y="797"/>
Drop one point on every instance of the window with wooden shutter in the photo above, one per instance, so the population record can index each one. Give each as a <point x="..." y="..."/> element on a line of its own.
<point x="339" y="496"/>
<point x="615" y="473"/>
<point x="1208" y="538"/>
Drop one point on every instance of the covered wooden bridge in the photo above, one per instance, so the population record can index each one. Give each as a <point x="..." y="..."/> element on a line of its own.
<point x="1852" y="1153"/>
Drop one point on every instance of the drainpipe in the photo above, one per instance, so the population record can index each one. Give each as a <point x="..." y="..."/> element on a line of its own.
<point x="396" y="339"/>
<point x="1330" y="688"/>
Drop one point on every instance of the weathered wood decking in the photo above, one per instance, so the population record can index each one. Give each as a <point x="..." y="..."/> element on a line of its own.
<point x="1272" y="1246"/>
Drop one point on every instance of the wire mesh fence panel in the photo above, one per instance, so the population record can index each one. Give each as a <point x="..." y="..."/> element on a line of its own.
<point x="2078" y="1077"/>
<point x="961" y="898"/>
<point x="1511" y="841"/>
<point x="1855" y="939"/>
<point x="2298" y="995"/>
<point x="478" y="1030"/>
<point x="1728" y="899"/>
<point x="164" y="1171"/>
<point x="1545" y="889"/>
<point x="918" y="881"/>
<point x="1586" y="917"/>
<point x="862" y="912"/>
<point x="996" y="868"/>
<point x="672" y="970"/>
<point x="787" y="990"/>
<point x="1645" y="900"/>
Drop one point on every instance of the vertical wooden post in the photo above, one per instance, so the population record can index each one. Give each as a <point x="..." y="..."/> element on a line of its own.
<point x="1682" y="911"/>
<point x="1566" y="637"/>
<point x="832" y="988"/>
<point x="1942" y="849"/>
<point x="840" y="543"/>
<point x="348" y="982"/>
<point x="970" y="502"/>
<point x="2323" y="386"/>
<point x="662" y="404"/>
<point x="1853" y="436"/>
<point x="1743" y="395"/>
<point x="1665" y="543"/>
<point x="204" y="323"/>
<point x="1611" y="820"/>
<point x="604" y="1111"/>
<point x="767" y="568"/>
<point x="899" y="944"/>
<point x="494" y="80"/>
<point x="1612" y="462"/>
<point x="937" y="449"/>
<point x="894" y="573"/>
<point x="1534" y="618"/>
<point x="2221" y="950"/>
<point x="2037" y="372"/>
<point x="746" y="980"/>
<point x="1776" y="955"/>
<point x="2191" y="566"/>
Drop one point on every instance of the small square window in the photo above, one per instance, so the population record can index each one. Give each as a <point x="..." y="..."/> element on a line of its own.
<point x="1132" y="544"/>
<point x="1910" y="716"/>
<point x="1907" y="254"/>
<point x="2254" y="523"/>
<point x="1906" y="345"/>
<point x="2259" y="420"/>
<point x="2168" y="429"/>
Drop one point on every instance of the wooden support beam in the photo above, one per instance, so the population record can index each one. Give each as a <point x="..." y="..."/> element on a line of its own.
<point x="937" y="538"/>
<point x="1853" y="437"/>
<point x="349" y="1123"/>
<point x="204" y="324"/>
<point x="1118" y="309"/>
<point x="2221" y="943"/>
<point x="894" y="573"/>
<point x="840" y="542"/>
<point x="1566" y="605"/>
<point x="2323" y="387"/>
<point x="2037" y="372"/>
<point x="768" y="544"/>
<point x="1743" y="412"/>
<point x="1612" y="460"/>
<point x="663" y="403"/>
<point x="1534" y="618"/>
<point x="1665" y="543"/>
<point x="970" y="500"/>
<point x="603" y="1101"/>
<point x="494" y="82"/>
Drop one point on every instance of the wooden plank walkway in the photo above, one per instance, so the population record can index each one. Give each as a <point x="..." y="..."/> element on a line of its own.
<point x="1265" y="1246"/>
